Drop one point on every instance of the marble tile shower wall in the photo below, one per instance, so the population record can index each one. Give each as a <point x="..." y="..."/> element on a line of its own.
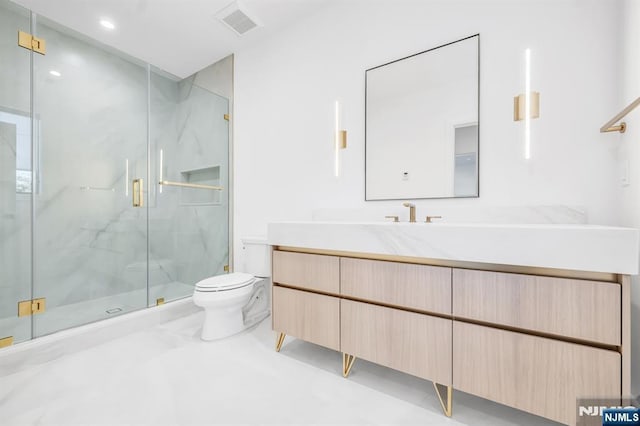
<point x="91" y="243"/>
<point x="189" y="242"/>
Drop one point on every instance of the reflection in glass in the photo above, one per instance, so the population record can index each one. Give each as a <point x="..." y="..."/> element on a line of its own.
<point x="414" y="108"/>
<point x="15" y="174"/>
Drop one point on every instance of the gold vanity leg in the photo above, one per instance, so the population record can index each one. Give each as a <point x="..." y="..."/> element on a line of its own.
<point x="448" y="407"/>
<point x="347" y="363"/>
<point x="279" y="341"/>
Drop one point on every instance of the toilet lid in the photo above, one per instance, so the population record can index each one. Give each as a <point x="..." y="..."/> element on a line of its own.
<point x="225" y="282"/>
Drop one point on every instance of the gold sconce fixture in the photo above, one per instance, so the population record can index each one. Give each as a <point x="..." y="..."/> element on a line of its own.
<point x="340" y="138"/>
<point x="519" y="106"/>
<point x="622" y="127"/>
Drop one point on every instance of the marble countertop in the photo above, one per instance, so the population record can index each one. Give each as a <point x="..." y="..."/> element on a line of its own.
<point x="589" y="248"/>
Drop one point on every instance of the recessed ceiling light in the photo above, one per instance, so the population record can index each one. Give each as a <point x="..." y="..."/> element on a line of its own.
<point x="107" y="24"/>
<point x="55" y="73"/>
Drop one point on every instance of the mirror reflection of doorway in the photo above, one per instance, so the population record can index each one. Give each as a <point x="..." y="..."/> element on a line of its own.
<point x="466" y="161"/>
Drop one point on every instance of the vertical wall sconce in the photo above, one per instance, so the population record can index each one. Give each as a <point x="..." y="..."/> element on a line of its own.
<point x="126" y="177"/>
<point x="340" y="138"/>
<point x="160" y="171"/>
<point x="527" y="106"/>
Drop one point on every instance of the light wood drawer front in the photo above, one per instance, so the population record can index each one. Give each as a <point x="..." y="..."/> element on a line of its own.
<point x="311" y="271"/>
<point x="308" y="316"/>
<point x="417" y="344"/>
<point x="535" y="374"/>
<point x="586" y="310"/>
<point x="425" y="288"/>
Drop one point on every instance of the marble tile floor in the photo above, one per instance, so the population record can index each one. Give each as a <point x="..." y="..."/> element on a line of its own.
<point x="165" y="375"/>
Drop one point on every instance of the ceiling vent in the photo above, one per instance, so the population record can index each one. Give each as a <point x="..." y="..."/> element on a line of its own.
<point x="236" y="18"/>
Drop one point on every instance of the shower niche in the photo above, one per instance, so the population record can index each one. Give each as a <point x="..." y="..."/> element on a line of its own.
<point x="202" y="187"/>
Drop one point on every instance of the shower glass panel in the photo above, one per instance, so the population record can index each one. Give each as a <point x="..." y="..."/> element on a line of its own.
<point x="188" y="226"/>
<point x="15" y="174"/>
<point x="86" y="136"/>
<point x="90" y="241"/>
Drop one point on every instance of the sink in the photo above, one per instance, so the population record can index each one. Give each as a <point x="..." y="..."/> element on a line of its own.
<point x="574" y="247"/>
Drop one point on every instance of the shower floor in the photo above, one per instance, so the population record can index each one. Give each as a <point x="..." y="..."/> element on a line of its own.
<point x="74" y="314"/>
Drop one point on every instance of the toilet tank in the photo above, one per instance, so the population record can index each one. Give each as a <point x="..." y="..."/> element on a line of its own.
<point x="257" y="256"/>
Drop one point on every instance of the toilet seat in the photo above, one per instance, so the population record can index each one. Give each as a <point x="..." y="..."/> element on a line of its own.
<point x="225" y="282"/>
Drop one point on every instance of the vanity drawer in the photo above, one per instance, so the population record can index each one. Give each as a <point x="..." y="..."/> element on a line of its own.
<point x="308" y="316"/>
<point x="420" y="287"/>
<point x="535" y="374"/>
<point x="309" y="271"/>
<point x="417" y="344"/>
<point x="579" y="309"/>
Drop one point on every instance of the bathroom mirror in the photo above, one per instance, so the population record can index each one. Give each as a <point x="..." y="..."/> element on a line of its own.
<point x="422" y="124"/>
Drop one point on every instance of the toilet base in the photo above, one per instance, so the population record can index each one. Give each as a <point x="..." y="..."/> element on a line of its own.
<point x="219" y="324"/>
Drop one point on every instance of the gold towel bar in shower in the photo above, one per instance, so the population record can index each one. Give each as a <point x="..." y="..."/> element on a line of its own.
<point x="190" y="185"/>
<point x="609" y="126"/>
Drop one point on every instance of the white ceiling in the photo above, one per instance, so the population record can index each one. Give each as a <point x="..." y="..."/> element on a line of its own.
<point x="178" y="36"/>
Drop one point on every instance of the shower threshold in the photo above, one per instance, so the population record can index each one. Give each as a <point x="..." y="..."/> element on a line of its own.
<point x="63" y="317"/>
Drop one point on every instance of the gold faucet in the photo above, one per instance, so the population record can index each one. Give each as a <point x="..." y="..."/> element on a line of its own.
<point x="412" y="211"/>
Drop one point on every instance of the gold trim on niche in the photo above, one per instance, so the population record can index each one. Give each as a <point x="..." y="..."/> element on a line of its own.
<point x="190" y="185"/>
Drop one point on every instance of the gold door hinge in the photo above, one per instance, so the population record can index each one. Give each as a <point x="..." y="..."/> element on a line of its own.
<point x="6" y="341"/>
<point x="160" y="301"/>
<point x="226" y="117"/>
<point x="30" y="42"/>
<point x="29" y="307"/>
<point x="226" y="268"/>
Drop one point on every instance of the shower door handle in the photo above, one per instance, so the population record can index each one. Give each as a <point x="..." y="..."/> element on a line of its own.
<point x="138" y="197"/>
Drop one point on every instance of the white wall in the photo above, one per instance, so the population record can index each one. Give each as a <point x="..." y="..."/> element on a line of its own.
<point x="285" y="87"/>
<point x="628" y="145"/>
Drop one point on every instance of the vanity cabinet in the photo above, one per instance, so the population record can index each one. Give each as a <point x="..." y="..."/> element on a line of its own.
<point x="411" y="342"/>
<point x="308" y="316"/>
<point x="533" y="339"/>
<point x="536" y="374"/>
<point x="409" y="286"/>
<point x="577" y="309"/>
<point x="302" y="303"/>
<point x="307" y="271"/>
<point x="536" y="343"/>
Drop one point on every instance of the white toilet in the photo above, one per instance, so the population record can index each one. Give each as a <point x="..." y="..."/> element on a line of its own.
<point x="233" y="302"/>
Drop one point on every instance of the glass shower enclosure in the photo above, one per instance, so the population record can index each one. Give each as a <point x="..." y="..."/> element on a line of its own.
<point x="113" y="181"/>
